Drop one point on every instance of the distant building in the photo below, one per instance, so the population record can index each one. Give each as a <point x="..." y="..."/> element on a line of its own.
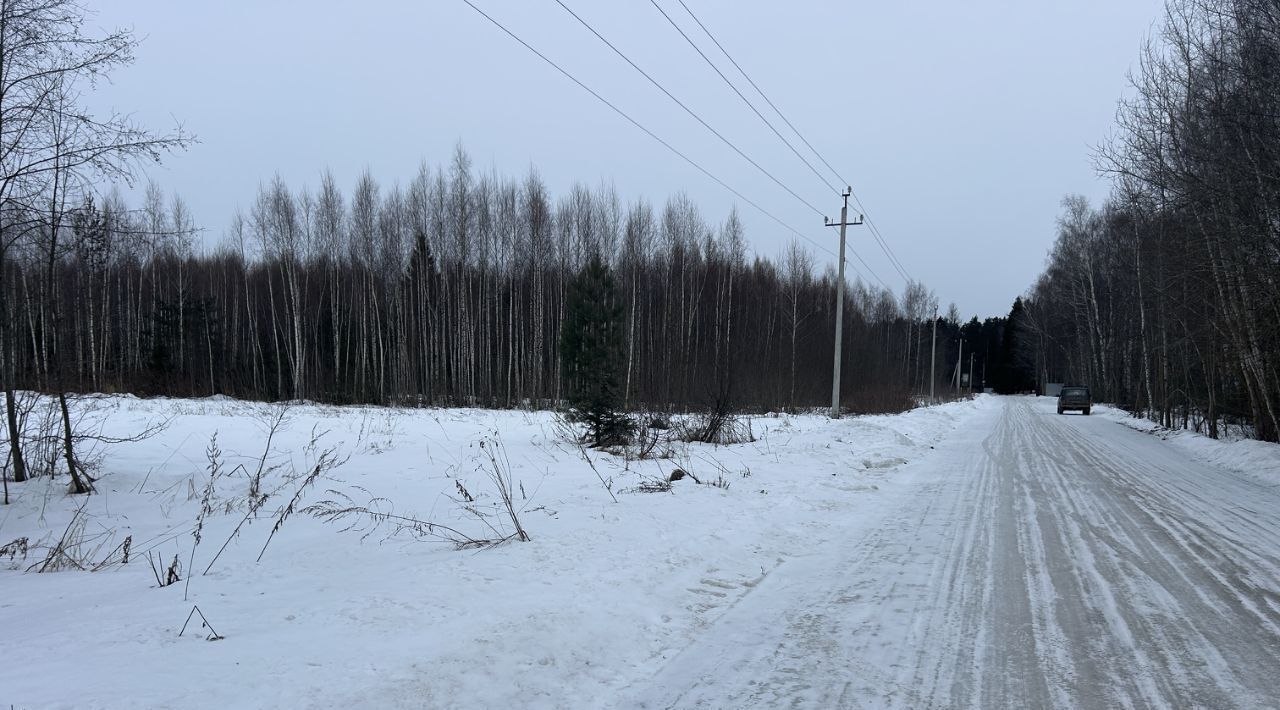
<point x="1052" y="389"/>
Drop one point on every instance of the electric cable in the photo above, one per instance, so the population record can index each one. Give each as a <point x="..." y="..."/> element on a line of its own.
<point x="883" y="243"/>
<point x="648" y="132"/>
<point x="682" y="105"/>
<point x="745" y="100"/>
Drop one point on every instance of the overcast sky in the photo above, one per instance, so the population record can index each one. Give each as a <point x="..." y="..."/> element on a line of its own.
<point x="959" y="125"/>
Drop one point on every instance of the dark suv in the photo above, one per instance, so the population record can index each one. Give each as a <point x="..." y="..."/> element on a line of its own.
<point x="1075" y="398"/>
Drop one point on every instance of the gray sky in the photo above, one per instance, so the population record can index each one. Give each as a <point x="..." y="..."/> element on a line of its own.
<point x="959" y="125"/>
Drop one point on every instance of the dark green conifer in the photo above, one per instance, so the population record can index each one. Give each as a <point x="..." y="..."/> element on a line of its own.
<point x="591" y="355"/>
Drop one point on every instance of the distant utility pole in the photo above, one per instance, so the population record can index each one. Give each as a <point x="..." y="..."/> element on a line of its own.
<point x="933" y="358"/>
<point x="959" y="365"/>
<point x="835" y="377"/>
<point x="970" y="370"/>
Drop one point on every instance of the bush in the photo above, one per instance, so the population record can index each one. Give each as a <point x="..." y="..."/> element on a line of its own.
<point x="716" y="427"/>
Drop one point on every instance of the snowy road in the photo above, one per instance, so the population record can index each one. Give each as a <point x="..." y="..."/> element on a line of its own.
<point x="1031" y="560"/>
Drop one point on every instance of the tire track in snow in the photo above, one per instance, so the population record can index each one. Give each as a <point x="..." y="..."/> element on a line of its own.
<point x="1033" y="561"/>
<point x="866" y="635"/>
<point x="1100" y="642"/>
<point x="1167" y="603"/>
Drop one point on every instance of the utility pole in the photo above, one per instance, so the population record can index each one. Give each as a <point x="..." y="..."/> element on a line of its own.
<point x="933" y="358"/>
<point x="959" y="365"/>
<point x="835" y="377"/>
<point x="970" y="370"/>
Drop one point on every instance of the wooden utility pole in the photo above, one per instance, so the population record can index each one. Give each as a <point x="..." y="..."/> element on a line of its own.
<point x="835" y="377"/>
<point x="959" y="365"/>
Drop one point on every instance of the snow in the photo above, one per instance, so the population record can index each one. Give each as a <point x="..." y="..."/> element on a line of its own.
<point x="597" y="602"/>
<point x="1034" y="560"/>
<point x="986" y="553"/>
<point x="1258" y="459"/>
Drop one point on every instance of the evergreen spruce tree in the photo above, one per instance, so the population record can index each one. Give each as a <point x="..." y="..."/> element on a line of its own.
<point x="1015" y="375"/>
<point x="591" y="355"/>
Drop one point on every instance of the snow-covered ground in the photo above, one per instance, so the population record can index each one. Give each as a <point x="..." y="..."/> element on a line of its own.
<point x="598" y="600"/>
<point x="1247" y="456"/>
<point x="986" y="553"/>
<point x="1034" y="561"/>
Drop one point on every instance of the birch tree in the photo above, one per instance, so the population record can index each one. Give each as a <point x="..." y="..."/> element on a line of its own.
<point x="53" y="152"/>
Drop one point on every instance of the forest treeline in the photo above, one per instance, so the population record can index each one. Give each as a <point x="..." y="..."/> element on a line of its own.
<point x="1166" y="298"/>
<point x="450" y="291"/>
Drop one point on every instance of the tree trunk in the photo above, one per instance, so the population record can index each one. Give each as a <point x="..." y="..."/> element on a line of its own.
<point x="80" y="481"/>
<point x="15" y="438"/>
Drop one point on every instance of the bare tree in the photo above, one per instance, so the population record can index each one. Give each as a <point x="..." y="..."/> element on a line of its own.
<point x="53" y="152"/>
<point x="376" y="296"/>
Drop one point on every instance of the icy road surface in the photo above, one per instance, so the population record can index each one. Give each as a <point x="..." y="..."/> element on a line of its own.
<point x="1034" y="561"/>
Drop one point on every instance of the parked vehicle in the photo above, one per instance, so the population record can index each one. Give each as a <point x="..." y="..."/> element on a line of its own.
<point x="1075" y="397"/>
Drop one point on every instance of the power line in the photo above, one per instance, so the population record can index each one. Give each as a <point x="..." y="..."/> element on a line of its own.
<point x="869" y="269"/>
<point x="894" y="261"/>
<point x="682" y="105"/>
<point x="884" y="244"/>
<point x="745" y="100"/>
<point x="677" y="152"/>
<point x="648" y="132"/>
<point x="726" y="141"/>
<point x="761" y="92"/>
